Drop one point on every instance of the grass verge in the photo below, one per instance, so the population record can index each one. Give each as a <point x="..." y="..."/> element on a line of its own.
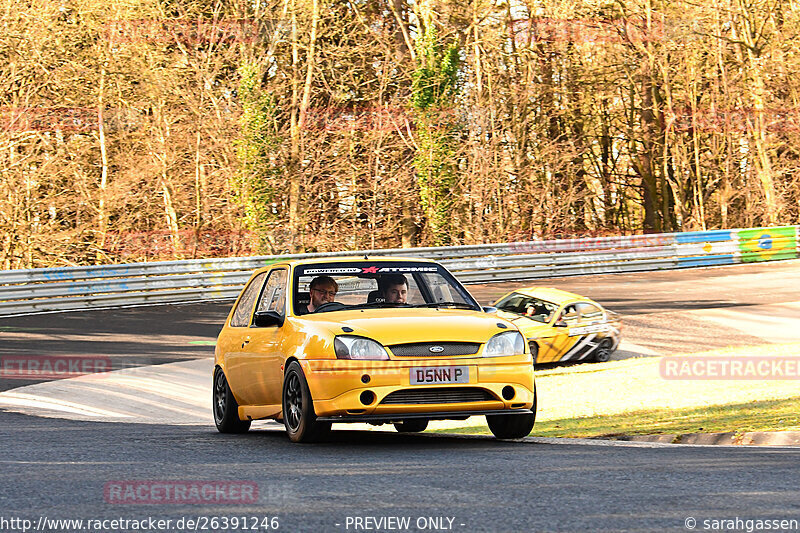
<point x="776" y="415"/>
<point x="634" y="397"/>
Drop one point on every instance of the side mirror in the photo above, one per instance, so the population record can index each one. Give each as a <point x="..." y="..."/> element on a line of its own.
<point x="489" y="309"/>
<point x="560" y="324"/>
<point x="265" y="319"/>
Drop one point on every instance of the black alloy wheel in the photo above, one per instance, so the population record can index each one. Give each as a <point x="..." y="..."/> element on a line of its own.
<point x="298" y="408"/>
<point x="513" y="425"/>
<point x="603" y="352"/>
<point x="226" y="409"/>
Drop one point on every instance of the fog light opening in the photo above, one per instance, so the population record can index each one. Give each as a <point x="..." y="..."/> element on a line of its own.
<point x="367" y="397"/>
<point x="365" y="378"/>
<point x="508" y="392"/>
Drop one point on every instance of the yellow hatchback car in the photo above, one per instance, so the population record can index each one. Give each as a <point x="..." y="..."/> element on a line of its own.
<point x="562" y="326"/>
<point x="377" y="340"/>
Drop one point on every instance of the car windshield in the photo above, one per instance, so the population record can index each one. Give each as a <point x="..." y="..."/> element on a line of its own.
<point x="528" y="306"/>
<point x="328" y="287"/>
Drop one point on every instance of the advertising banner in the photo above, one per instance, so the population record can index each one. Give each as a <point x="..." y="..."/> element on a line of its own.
<point x="768" y="244"/>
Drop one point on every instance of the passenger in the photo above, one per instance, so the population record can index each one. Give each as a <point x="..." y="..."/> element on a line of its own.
<point x="393" y="288"/>
<point x="323" y="289"/>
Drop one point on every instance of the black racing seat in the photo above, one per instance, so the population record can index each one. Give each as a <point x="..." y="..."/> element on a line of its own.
<point x="375" y="297"/>
<point x="301" y="302"/>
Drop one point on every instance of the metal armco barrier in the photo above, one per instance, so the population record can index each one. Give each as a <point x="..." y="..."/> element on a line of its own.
<point x="72" y="288"/>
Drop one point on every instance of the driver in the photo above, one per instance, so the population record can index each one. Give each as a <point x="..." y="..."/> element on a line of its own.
<point x="394" y="288"/>
<point x="323" y="289"/>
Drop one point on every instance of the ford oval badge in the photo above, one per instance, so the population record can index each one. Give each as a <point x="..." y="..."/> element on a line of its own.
<point x="436" y="349"/>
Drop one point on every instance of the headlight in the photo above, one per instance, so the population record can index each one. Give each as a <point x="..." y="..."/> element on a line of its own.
<point x="508" y="343"/>
<point x="348" y="347"/>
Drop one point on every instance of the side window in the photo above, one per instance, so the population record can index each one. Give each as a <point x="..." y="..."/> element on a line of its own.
<point x="241" y="316"/>
<point x="569" y="314"/>
<point x="273" y="298"/>
<point x="590" y="312"/>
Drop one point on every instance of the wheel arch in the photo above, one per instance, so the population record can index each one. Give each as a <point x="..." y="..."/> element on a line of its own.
<point x="289" y="360"/>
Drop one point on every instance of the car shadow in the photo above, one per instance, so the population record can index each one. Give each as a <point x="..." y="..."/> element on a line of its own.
<point x="346" y="438"/>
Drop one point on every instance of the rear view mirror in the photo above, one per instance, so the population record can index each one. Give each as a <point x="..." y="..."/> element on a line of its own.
<point x="489" y="309"/>
<point x="560" y="324"/>
<point x="265" y="319"/>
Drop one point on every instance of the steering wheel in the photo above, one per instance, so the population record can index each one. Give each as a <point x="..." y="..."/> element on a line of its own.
<point x="330" y="306"/>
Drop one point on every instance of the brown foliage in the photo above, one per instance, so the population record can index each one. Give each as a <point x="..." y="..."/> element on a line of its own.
<point x="118" y="123"/>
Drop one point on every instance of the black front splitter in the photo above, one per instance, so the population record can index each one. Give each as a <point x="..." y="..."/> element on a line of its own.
<point x="397" y="417"/>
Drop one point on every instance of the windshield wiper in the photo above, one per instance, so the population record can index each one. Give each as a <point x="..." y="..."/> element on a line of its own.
<point x="460" y="305"/>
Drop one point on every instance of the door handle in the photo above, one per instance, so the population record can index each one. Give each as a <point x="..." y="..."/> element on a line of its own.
<point x="246" y="341"/>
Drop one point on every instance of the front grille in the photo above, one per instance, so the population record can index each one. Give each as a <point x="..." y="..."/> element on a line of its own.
<point x="439" y="395"/>
<point x="423" y="349"/>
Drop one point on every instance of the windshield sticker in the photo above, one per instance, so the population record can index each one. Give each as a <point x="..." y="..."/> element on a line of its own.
<point x="373" y="270"/>
<point x="367" y="270"/>
<point x="340" y="270"/>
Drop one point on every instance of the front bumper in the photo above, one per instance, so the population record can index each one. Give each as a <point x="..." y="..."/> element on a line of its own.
<point x="337" y="386"/>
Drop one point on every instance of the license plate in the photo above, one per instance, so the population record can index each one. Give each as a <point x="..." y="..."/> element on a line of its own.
<point x="439" y="374"/>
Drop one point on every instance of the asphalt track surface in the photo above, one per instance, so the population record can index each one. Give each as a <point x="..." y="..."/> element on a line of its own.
<point x="58" y="468"/>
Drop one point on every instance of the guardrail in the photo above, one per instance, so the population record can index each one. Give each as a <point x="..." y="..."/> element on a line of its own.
<point x="72" y="288"/>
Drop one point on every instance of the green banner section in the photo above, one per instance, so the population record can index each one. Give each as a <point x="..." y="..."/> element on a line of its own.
<point x="768" y="244"/>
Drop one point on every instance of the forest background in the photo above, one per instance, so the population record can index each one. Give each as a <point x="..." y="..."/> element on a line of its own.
<point x="145" y="130"/>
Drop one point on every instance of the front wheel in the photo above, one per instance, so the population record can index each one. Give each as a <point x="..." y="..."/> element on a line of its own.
<point x="534" y="351"/>
<point x="226" y="410"/>
<point x="513" y="426"/>
<point x="298" y="408"/>
<point x="411" y="425"/>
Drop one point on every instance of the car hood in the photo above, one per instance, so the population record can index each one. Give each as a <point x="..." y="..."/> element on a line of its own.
<point x="400" y="326"/>
<point x="530" y="328"/>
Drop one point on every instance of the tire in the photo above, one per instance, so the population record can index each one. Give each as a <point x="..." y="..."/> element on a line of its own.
<point x="411" y="425"/>
<point x="534" y="351"/>
<point x="298" y="408"/>
<point x="513" y="426"/>
<point x="226" y="410"/>
<point x="603" y="352"/>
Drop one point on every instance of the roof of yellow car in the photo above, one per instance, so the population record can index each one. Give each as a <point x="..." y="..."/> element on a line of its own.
<point x="343" y="259"/>
<point x="359" y="258"/>
<point x="556" y="296"/>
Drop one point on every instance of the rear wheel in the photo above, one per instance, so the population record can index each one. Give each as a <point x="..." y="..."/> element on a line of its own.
<point x="411" y="425"/>
<point x="298" y="408"/>
<point x="513" y="426"/>
<point x="603" y="352"/>
<point x="226" y="410"/>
